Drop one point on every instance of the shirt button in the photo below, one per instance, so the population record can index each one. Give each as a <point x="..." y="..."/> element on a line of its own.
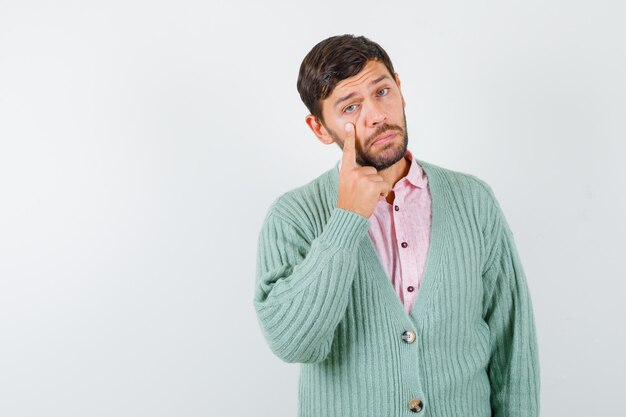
<point x="410" y="289"/>
<point x="404" y="244"/>
<point x="396" y="208"/>
<point x="416" y="405"/>
<point x="408" y="337"/>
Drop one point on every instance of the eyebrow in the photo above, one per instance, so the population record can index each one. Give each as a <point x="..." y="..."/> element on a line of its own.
<point x="349" y="96"/>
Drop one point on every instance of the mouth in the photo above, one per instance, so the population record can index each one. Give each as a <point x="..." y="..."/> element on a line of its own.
<point x="384" y="138"/>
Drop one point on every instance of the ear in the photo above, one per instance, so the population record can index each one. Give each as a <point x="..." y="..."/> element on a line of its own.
<point x="397" y="77"/>
<point x="319" y="130"/>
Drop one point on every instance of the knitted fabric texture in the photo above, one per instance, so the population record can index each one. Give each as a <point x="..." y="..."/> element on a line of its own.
<point x="323" y="300"/>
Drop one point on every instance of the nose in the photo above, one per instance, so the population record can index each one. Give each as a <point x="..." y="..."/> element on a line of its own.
<point x="374" y="114"/>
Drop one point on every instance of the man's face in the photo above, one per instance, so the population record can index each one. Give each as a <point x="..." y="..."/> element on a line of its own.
<point x="373" y="102"/>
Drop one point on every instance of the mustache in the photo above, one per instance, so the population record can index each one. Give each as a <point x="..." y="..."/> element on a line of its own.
<point x="380" y="130"/>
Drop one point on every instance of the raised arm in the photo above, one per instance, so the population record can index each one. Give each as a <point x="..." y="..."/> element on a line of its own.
<point x="304" y="282"/>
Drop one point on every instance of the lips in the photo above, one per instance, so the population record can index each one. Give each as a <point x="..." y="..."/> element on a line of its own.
<point x="384" y="138"/>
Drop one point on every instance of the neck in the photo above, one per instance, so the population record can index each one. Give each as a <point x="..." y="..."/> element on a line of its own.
<point x="397" y="171"/>
<point x="393" y="174"/>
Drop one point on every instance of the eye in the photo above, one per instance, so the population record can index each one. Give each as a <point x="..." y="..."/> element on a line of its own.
<point x="349" y="109"/>
<point x="382" y="92"/>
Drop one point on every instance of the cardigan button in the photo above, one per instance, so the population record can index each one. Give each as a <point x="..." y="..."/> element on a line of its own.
<point x="408" y="336"/>
<point x="416" y="405"/>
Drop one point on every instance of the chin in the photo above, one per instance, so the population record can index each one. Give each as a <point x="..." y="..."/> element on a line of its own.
<point x="387" y="156"/>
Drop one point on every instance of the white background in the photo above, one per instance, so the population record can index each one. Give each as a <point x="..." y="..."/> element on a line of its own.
<point x="141" y="143"/>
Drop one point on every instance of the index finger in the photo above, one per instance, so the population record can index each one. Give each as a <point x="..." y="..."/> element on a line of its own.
<point x="349" y="152"/>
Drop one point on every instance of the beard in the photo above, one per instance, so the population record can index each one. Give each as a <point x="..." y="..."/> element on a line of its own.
<point x="385" y="156"/>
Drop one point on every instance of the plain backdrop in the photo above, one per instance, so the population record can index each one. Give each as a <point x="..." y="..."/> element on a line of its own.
<point x="142" y="142"/>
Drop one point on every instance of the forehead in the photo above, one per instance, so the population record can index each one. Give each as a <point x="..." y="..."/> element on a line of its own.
<point x="371" y="71"/>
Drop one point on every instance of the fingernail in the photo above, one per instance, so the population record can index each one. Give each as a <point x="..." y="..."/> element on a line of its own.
<point x="348" y="127"/>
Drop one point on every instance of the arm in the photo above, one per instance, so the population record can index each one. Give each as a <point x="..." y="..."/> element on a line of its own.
<point x="303" y="287"/>
<point x="514" y="367"/>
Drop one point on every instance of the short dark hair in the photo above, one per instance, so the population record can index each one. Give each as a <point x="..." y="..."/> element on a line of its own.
<point x="332" y="60"/>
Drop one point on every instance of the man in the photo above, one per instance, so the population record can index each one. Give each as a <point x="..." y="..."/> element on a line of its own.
<point x="394" y="282"/>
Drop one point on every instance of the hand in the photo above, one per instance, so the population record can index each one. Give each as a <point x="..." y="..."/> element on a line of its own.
<point x="359" y="187"/>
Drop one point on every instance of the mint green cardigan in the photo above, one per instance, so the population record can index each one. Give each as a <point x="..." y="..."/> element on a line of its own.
<point x="323" y="299"/>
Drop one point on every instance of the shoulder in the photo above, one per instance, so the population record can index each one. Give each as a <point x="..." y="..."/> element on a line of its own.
<point x="468" y="198"/>
<point x="308" y="205"/>
<point x="459" y="184"/>
<point x="464" y="196"/>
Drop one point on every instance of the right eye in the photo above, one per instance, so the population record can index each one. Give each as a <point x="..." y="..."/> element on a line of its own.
<point x="350" y="109"/>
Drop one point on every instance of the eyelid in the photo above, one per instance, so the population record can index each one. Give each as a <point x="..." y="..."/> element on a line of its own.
<point x="349" y="105"/>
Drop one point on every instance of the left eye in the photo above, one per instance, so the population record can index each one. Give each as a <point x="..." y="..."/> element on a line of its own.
<point x="383" y="91"/>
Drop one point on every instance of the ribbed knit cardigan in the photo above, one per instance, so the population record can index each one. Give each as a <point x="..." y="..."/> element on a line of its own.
<point x="323" y="300"/>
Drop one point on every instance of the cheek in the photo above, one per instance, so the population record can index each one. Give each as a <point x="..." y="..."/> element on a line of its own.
<point x="348" y="118"/>
<point x="358" y="118"/>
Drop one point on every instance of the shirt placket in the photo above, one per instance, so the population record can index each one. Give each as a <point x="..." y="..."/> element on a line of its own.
<point x="405" y="248"/>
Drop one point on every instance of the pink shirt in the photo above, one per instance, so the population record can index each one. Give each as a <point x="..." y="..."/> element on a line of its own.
<point x="400" y="232"/>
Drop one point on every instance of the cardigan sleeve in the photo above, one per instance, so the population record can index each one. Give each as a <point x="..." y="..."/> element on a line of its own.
<point x="513" y="368"/>
<point x="303" y="285"/>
